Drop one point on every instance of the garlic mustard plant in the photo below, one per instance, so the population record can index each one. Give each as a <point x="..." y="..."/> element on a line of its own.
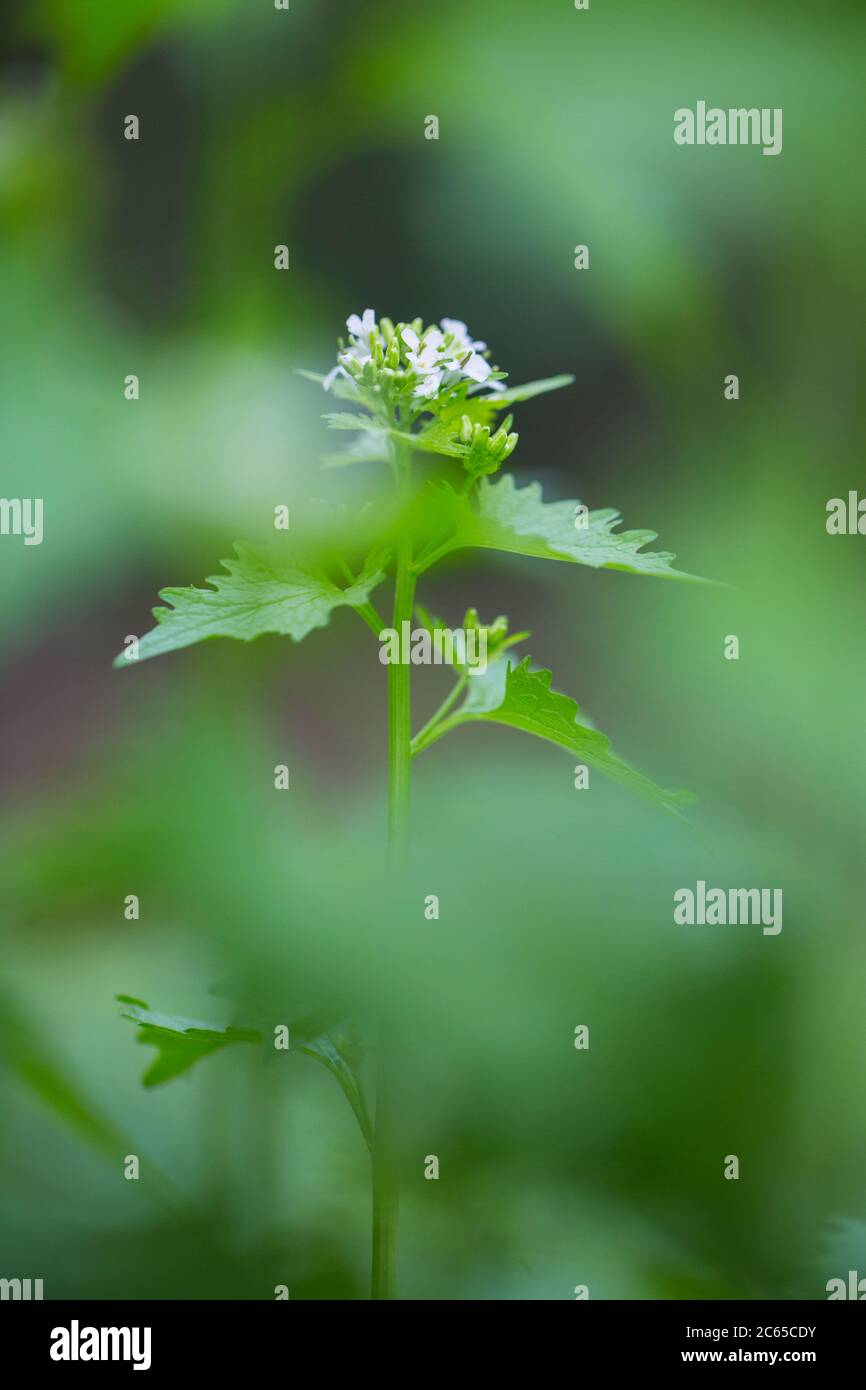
<point x="409" y="391"/>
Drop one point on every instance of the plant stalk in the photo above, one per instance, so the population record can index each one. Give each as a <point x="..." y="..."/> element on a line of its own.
<point x="399" y="726"/>
<point x="385" y="1184"/>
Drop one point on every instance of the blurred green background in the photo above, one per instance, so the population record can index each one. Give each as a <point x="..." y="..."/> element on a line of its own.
<point x="558" y="1167"/>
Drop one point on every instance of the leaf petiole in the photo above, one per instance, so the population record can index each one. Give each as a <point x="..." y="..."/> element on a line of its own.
<point x="366" y="611"/>
<point x="426" y="561"/>
<point x="429" y="732"/>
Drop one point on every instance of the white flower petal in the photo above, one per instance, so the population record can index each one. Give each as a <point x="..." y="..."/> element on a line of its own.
<point x="463" y="340"/>
<point x="477" y="368"/>
<point x="430" y="385"/>
<point x="362" y="327"/>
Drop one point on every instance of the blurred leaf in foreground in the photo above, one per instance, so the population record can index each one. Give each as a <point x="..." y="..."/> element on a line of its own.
<point x="180" y="1042"/>
<point x="30" y="1060"/>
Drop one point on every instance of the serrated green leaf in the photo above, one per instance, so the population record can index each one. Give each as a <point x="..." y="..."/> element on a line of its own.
<point x="522" y="698"/>
<point x="371" y="444"/>
<point x="180" y="1042"/>
<point x="519" y="521"/>
<point x="443" y="435"/>
<point x="513" y="394"/>
<point x="481" y="410"/>
<point x="269" y="589"/>
<point x="438" y="438"/>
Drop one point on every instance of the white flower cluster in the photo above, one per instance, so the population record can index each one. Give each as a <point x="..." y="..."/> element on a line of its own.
<point x="439" y="357"/>
<point x="443" y="355"/>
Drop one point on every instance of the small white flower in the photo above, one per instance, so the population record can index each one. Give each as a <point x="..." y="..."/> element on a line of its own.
<point x="462" y="340"/>
<point x="358" y="350"/>
<point x="364" y="326"/>
<point x="430" y="385"/>
<point x="437" y="359"/>
<point x="360" y="331"/>
<point x="441" y="357"/>
<point x="422" y="357"/>
<point x="476" y="368"/>
<point x="423" y="352"/>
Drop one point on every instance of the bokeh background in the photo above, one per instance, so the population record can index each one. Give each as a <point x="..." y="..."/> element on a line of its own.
<point x="558" y="1167"/>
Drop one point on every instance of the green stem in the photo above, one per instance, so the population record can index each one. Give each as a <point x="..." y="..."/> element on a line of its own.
<point x="399" y="717"/>
<point x="383" y="1282"/>
<point x="385" y="1188"/>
